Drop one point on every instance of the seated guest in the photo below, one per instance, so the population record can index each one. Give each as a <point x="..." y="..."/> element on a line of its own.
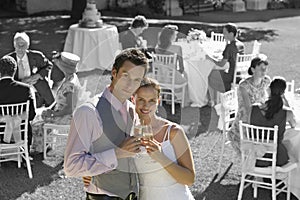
<point x="165" y="45"/>
<point x="250" y="91"/>
<point x="272" y="113"/>
<point x="131" y="38"/>
<point x="65" y="100"/>
<point x="33" y="68"/>
<point x="13" y="91"/>
<point x="221" y="80"/>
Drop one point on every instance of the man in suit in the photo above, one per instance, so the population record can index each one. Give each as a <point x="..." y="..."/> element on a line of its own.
<point x="13" y="91"/>
<point x="32" y="68"/>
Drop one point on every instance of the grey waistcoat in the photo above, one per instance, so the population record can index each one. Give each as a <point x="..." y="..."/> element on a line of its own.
<point x="123" y="179"/>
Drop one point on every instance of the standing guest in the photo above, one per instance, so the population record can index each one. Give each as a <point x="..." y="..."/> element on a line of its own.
<point x="167" y="168"/>
<point x="272" y="113"/>
<point x="131" y="38"/>
<point x="99" y="142"/>
<point x="251" y="91"/>
<point x="65" y="100"/>
<point x="15" y="92"/>
<point x="33" y="68"/>
<point x="220" y="80"/>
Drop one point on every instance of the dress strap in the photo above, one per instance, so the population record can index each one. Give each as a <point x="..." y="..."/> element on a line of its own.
<point x="167" y="134"/>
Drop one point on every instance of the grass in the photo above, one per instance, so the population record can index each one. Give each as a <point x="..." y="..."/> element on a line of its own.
<point x="279" y="41"/>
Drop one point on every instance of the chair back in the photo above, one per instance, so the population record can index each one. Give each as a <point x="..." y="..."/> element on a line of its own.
<point x="229" y="107"/>
<point x="290" y="87"/>
<point x="164" y="71"/>
<point x="217" y="37"/>
<point x="255" y="142"/>
<point x="164" y="68"/>
<point x="14" y="121"/>
<point x="243" y="62"/>
<point x="256" y="48"/>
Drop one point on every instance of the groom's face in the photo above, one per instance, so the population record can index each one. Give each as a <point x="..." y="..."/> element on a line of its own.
<point x="126" y="80"/>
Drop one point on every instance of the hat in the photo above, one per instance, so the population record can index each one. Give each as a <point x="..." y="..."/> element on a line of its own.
<point x="67" y="62"/>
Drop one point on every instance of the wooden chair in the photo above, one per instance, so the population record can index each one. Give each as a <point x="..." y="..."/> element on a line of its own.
<point x="229" y="107"/>
<point x="243" y="62"/>
<point x="255" y="142"/>
<point x="14" y="124"/>
<point x="164" y="70"/>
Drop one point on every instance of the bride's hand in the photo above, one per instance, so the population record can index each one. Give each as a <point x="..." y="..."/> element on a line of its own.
<point x="153" y="148"/>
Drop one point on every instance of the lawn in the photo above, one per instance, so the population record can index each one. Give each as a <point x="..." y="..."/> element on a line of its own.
<point x="280" y="42"/>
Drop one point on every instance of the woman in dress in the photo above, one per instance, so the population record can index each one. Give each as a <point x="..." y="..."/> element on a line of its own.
<point x="272" y="113"/>
<point x="167" y="168"/>
<point x="165" y="45"/>
<point x="65" y="100"/>
<point x="251" y="91"/>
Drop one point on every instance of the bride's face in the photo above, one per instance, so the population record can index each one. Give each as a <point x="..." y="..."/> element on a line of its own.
<point x="146" y="101"/>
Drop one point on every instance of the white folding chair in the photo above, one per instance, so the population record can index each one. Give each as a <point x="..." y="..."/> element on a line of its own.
<point x="255" y="142"/>
<point x="14" y="124"/>
<point x="55" y="134"/>
<point x="243" y="62"/>
<point x="256" y="48"/>
<point x="290" y="92"/>
<point x="164" y="69"/>
<point x="229" y="107"/>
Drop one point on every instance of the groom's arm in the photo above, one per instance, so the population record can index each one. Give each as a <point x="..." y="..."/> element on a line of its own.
<point x="86" y="127"/>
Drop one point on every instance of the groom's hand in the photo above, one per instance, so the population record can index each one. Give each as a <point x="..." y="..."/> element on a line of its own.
<point x="128" y="148"/>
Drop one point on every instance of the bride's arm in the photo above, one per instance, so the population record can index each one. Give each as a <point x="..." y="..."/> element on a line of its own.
<point x="184" y="171"/>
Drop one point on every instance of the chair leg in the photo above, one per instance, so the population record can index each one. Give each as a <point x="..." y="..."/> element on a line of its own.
<point x="288" y="193"/>
<point x="183" y="97"/>
<point x="45" y="143"/>
<point x="222" y="151"/>
<point x="273" y="189"/>
<point x="19" y="157"/>
<point x="173" y="103"/>
<point x="255" y="189"/>
<point x="241" y="187"/>
<point x="28" y="162"/>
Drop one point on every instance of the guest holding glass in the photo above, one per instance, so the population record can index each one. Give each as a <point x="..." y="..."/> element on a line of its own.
<point x="167" y="168"/>
<point x="250" y="91"/>
<point x="219" y="79"/>
<point x="66" y="98"/>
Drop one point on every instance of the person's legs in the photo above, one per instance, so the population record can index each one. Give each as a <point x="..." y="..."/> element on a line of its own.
<point x="215" y="84"/>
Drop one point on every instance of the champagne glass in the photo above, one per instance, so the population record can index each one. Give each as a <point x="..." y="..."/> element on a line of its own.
<point x="138" y="134"/>
<point x="147" y="134"/>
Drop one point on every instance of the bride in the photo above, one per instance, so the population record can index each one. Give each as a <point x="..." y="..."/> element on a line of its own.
<point x="166" y="167"/>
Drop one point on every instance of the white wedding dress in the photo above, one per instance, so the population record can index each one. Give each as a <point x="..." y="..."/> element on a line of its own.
<point x="155" y="182"/>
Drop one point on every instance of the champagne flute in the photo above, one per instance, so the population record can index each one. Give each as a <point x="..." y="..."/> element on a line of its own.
<point x="147" y="135"/>
<point x="138" y="134"/>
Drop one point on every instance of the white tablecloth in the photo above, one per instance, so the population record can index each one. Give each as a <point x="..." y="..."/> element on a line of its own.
<point x="198" y="69"/>
<point x="97" y="47"/>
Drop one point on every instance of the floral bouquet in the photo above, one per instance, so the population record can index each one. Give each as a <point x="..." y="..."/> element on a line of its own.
<point x="195" y="34"/>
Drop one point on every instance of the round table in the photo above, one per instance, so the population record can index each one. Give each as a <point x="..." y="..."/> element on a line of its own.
<point x="97" y="47"/>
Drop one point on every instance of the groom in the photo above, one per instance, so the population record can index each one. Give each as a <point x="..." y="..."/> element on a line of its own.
<point x="99" y="144"/>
